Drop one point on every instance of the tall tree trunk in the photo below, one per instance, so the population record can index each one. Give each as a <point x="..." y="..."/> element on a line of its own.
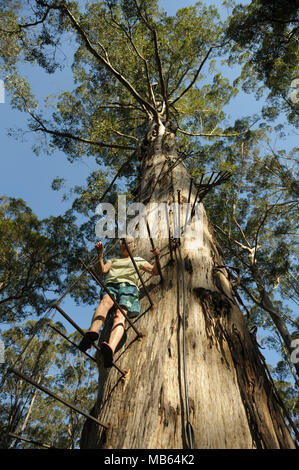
<point x="231" y="400"/>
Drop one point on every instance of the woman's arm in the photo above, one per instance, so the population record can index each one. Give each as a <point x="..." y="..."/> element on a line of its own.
<point x="152" y="268"/>
<point x="103" y="267"/>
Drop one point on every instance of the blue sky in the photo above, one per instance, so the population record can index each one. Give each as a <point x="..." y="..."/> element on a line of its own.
<point x="27" y="176"/>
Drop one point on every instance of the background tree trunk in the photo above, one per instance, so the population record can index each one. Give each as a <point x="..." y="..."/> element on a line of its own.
<point x="231" y="400"/>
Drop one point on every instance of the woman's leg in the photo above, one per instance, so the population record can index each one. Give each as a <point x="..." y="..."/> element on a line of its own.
<point x="101" y="313"/>
<point x="118" y="328"/>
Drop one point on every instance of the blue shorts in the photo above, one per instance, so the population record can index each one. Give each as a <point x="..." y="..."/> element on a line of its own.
<point x="126" y="296"/>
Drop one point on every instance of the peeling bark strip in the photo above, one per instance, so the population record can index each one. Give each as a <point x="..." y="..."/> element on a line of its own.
<point x="231" y="401"/>
<point x="215" y="308"/>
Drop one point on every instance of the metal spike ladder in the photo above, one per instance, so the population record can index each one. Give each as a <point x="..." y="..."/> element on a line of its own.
<point x="57" y="307"/>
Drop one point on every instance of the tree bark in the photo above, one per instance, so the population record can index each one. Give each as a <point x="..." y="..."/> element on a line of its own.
<point x="231" y="400"/>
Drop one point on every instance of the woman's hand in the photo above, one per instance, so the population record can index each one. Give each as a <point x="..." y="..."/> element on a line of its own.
<point x="100" y="248"/>
<point x="156" y="252"/>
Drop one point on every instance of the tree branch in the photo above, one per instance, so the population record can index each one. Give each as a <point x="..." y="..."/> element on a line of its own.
<point x="253" y="298"/>
<point x="157" y="57"/>
<point x="27" y="25"/>
<point x="202" y="134"/>
<point x="248" y="247"/>
<point x="194" y="78"/>
<point x="181" y="78"/>
<point x="260" y="226"/>
<point x="125" y="164"/>
<point x="67" y="135"/>
<point x="137" y="52"/>
<point x="245" y="248"/>
<point x="117" y="105"/>
<point x="104" y="61"/>
<point x="132" y="137"/>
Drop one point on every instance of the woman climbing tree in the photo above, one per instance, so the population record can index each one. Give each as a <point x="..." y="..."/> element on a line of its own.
<point x="122" y="281"/>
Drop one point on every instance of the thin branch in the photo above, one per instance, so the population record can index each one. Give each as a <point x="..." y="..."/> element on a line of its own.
<point x="183" y="75"/>
<point x="118" y="105"/>
<point x="202" y="134"/>
<point x="27" y="25"/>
<point x="67" y="135"/>
<point x="261" y="304"/>
<point x="170" y="73"/>
<point x="248" y="247"/>
<point x="260" y="226"/>
<point x="105" y="61"/>
<point x="124" y="165"/>
<point x="293" y="285"/>
<point x="253" y="298"/>
<point x="132" y="137"/>
<point x="194" y="78"/>
<point x="157" y="57"/>
<point x="129" y="37"/>
<point x="235" y="242"/>
<point x="160" y="70"/>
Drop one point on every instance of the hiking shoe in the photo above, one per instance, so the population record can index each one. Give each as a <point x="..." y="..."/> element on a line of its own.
<point x="107" y="354"/>
<point x="87" y="340"/>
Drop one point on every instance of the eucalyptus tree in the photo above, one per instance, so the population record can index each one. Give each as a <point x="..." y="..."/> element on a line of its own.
<point x="73" y="379"/>
<point x="52" y="361"/>
<point x="17" y="397"/>
<point x="256" y="223"/>
<point x="37" y="257"/>
<point x="265" y="34"/>
<point x="145" y="83"/>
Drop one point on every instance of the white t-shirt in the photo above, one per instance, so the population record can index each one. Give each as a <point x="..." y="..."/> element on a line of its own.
<point x="122" y="270"/>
